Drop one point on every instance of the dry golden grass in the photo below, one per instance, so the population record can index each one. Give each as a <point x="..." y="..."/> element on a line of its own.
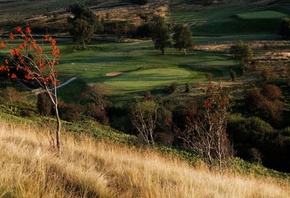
<point x="29" y="168"/>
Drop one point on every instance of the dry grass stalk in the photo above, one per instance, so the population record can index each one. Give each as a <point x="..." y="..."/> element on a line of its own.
<point x="29" y="168"/>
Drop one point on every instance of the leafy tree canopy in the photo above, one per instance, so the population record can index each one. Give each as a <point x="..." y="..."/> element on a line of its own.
<point x="84" y="23"/>
<point x="182" y="37"/>
<point x="160" y="33"/>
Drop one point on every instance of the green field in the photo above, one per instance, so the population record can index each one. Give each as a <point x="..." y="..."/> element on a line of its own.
<point x="143" y="67"/>
<point x="248" y="18"/>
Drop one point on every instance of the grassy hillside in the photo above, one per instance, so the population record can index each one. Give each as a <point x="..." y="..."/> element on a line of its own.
<point x="29" y="168"/>
<point x="252" y="17"/>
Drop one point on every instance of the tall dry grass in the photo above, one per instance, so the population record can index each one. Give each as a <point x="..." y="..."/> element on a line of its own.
<point x="30" y="168"/>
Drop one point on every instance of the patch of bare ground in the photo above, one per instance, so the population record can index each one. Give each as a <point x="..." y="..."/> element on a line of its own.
<point x="131" y="13"/>
<point x="114" y="73"/>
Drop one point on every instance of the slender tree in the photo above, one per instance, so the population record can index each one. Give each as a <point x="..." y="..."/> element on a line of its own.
<point x="35" y="71"/>
<point x="205" y="129"/>
<point x="160" y="33"/>
<point x="144" y="117"/>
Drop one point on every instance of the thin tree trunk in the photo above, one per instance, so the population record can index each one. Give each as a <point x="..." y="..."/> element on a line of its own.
<point x="57" y="132"/>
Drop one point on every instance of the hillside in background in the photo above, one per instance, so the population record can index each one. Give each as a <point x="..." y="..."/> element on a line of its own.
<point x="229" y="16"/>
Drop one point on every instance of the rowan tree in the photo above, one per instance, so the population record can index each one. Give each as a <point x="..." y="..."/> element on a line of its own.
<point x="205" y="127"/>
<point x="31" y="66"/>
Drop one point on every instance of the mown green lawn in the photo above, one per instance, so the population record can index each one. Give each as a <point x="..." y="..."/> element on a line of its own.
<point x="250" y="18"/>
<point x="143" y="67"/>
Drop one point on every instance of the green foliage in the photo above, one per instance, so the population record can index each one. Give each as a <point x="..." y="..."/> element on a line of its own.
<point x="248" y="134"/>
<point x="82" y="32"/>
<point x="182" y="37"/>
<point x="160" y="33"/>
<point x="284" y="28"/>
<point x="144" y="116"/>
<point x="241" y="51"/>
<point x="84" y="23"/>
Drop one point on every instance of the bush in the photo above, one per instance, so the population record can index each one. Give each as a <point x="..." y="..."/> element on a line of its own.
<point x="272" y="92"/>
<point x="233" y="75"/>
<point x="142" y="31"/>
<point x="70" y="112"/>
<point x="171" y="88"/>
<point x="284" y="29"/>
<point x="44" y="105"/>
<point x="266" y="104"/>
<point x="96" y="111"/>
<point x="266" y="75"/>
<point x="208" y="76"/>
<point x="140" y="2"/>
<point x="249" y="133"/>
<point x="10" y="94"/>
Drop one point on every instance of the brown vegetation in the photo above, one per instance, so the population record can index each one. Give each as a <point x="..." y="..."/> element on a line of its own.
<point x="89" y="169"/>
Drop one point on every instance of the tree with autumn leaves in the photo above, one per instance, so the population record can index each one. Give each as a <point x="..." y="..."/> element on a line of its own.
<point x="205" y="127"/>
<point x="29" y="64"/>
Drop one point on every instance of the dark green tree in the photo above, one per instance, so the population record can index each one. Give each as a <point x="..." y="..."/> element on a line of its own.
<point x="160" y="33"/>
<point x="84" y="23"/>
<point x="242" y="52"/>
<point x="284" y="29"/>
<point x="82" y="32"/>
<point x="182" y="37"/>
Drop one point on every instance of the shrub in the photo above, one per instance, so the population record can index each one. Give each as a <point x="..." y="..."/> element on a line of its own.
<point x="70" y="112"/>
<point x="233" y="75"/>
<point x="98" y="112"/>
<point x="10" y="94"/>
<point x="171" y="88"/>
<point x="208" y="76"/>
<point x="266" y="104"/>
<point x="272" y="92"/>
<point x="140" y="2"/>
<point x="249" y="136"/>
<point x="44" y="105"/>
<point x="142" y="31"/>
<point x="266" y="75"/>
<point x="284" y="29"/>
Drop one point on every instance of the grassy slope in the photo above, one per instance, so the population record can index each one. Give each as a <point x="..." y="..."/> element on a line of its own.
<point x="87" y="168"/>
<point x="249" y="18"/>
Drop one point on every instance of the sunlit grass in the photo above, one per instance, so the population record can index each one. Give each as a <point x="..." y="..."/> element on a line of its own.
<point x="30" y="168"/>
<point x="262" y="15"/>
